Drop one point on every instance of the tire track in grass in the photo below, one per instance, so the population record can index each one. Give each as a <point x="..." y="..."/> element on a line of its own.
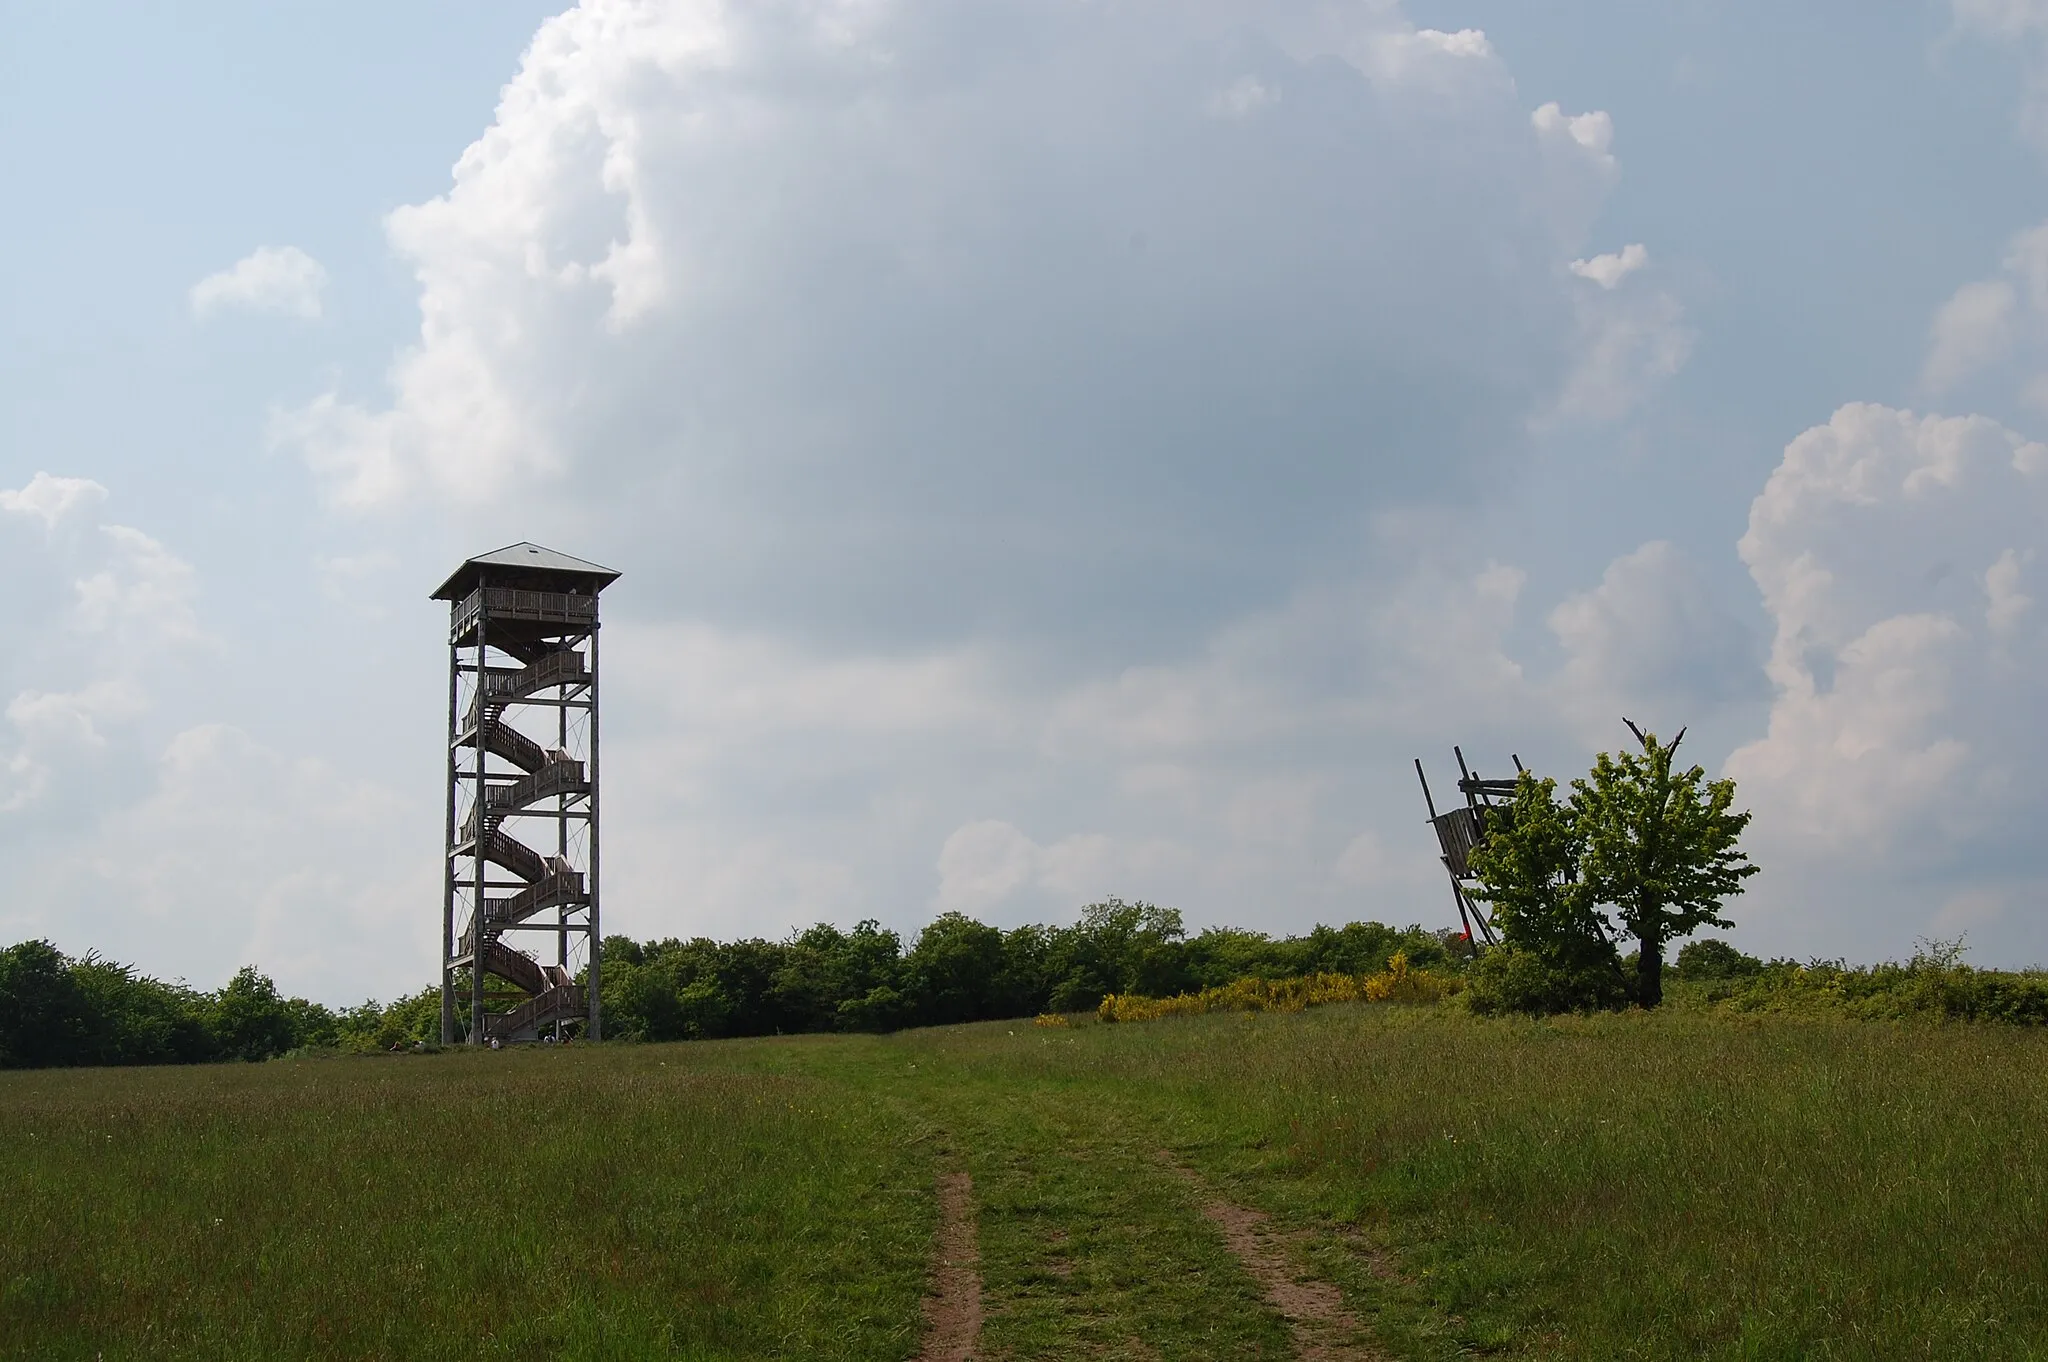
<point x="1324" y="1328"/>
<point x="1089" y="1248"/>
<point x="952" y="1310"/>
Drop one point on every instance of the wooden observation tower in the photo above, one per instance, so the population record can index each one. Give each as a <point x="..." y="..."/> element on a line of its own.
<point x="522" y="754"/>
<point x="1460" y="832"/>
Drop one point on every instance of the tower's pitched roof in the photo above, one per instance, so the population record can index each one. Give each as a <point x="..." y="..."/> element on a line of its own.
<point x="517" y="563"/>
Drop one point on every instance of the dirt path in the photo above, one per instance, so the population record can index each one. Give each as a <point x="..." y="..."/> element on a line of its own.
<point x="952" y="1310"/>
<point x="1324" y="1329"/>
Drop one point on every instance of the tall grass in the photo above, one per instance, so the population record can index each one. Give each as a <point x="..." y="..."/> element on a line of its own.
<point x="1692" y="1183"/>
<point x="581" y="1203"/>
<point x="1683" y="1184"/>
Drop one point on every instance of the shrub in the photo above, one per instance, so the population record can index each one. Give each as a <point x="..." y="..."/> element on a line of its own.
<point x="1398" y="983"/>
<point x="1714" y="959"/>
<point x="1934" y="983"/>
<point x="1511" y="979"/>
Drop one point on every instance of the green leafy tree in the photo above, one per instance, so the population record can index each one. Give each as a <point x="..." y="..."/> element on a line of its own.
<point x="704" y="1008"/>
<point x="250" y="1019"/>
<point x="1713" y="958"/>
<point x="1025" y="985"/>
<point x="824" y="967"/>
<point x="872" y="958"/>
<point x="1223" y="954"/>
<point x="807" y="989"/>
<point x="953" y="969"/>
<point x="1118" y="947"/>
<point x="1556" y="954"/>
<point x="745" y="972"/>
<point x="1654" y="844"/>
<point x="1660" y="846"/>
<point x="44" y="1015"/>
<point x="133" y="1019"/>
<point x="621" y="950"/>
<point x="881" y="1008"/>
<point x="670" y="995"/>
<point x="1529" y="866"/>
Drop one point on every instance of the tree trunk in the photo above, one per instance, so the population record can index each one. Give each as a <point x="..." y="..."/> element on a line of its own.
<point x="1650" y="971"/>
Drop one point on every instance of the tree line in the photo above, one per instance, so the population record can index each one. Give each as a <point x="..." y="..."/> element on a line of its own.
<point x="56" y="1010"/>
<point x="960" y="970"/>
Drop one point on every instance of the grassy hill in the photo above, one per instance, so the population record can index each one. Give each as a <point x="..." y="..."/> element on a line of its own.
<point x="1684" y="1184"/>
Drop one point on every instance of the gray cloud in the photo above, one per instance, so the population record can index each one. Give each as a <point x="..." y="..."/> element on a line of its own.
<point x="902" y="321"/>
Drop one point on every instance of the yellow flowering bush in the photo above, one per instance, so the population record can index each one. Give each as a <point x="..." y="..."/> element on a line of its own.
<point x="1397" y="983"/>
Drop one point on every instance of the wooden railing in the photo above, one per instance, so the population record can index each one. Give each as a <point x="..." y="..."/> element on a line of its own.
<point x="545" y="607"/>
<point x="560" y="668"/>
<point x="503" y="740"/>
<point x="515" y="967"/>
<point x="562" y="1001"/>
<point x="560" y="776"/>
<point x="558" y="889"/>
<point x="510" y="853"/>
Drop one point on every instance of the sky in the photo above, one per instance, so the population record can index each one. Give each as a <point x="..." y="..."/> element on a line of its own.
<point x="1053" y="450"/>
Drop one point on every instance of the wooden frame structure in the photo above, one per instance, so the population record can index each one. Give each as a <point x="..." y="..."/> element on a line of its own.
<point x="522" y="751"/>
<point x="1460" y="830"/>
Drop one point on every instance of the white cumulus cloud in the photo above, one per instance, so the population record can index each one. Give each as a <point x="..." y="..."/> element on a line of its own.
<point x="1894" y="552"/>
<point x="1610" y="269"/>
<point x="1988" y="322"/>
<point x="51" y="499"/>
<point x="98" y="615"/>
<point x="281" y="279"/>
<point x="1972" y="329"/>
<point x="1632" y="337"/>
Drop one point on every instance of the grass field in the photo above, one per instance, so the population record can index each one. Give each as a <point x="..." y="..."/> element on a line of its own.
<point x="1679" y="1185"/>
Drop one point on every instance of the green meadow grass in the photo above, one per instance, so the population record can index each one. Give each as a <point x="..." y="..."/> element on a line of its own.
<point x="583" y="1203"/>
<point x="1680" y="1185"/>
<point x="1688" y="1184"/>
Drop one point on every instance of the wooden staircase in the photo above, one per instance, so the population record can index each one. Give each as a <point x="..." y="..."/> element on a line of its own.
<point x="552" y="994"/>
<point x="550" y="882"/>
